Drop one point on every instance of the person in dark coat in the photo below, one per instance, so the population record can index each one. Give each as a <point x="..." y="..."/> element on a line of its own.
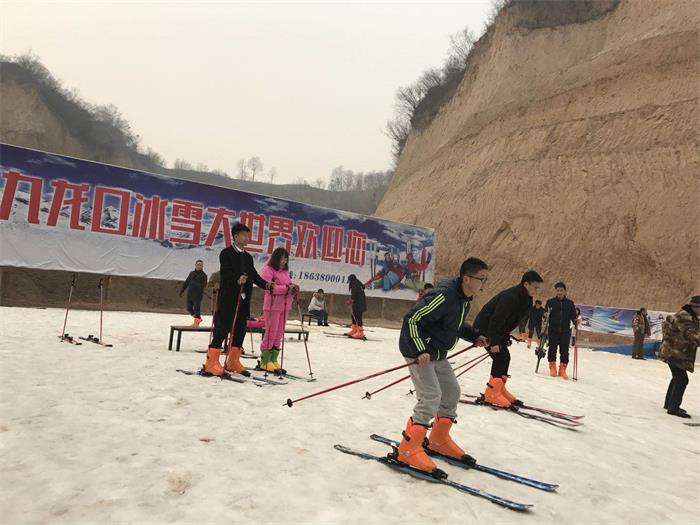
<point x="562" y="312"/>
<point x="497" y="319"/>
<point x="194" y="284"/>
<point x="534" y="322"/>
<point x="359" y="306"/>
<point x="238" y="275"/>
<point x="678" y="351"/>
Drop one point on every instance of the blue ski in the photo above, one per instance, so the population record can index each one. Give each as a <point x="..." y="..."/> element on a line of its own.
<point x="419" y="474"/>
<point x="541" y="485"/>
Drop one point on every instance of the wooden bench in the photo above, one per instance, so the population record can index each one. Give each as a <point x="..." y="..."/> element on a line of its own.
<point x="186" y="328"/>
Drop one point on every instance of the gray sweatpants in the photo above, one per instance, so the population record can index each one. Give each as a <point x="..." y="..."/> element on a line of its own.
<point x="437" y="391"/>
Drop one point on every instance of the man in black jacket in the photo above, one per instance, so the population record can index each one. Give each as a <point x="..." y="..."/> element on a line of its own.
<point x="194" y="284"/>
<point x="497" y="319"/>
<point x="237" y="278"/>
<point x="430" y="329"/>
<point x="562" y="312"/>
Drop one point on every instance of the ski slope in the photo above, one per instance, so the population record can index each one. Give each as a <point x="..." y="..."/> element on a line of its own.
<point x="90" y="435"/>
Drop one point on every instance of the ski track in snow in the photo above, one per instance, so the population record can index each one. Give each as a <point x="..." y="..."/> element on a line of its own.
<point x="90" y="434"/>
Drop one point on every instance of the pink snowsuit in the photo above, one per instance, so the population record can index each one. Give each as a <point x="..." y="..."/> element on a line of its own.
<point x="276" y="305"/>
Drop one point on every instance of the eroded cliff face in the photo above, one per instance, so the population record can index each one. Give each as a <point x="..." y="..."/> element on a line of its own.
<point x="571" y="147"/>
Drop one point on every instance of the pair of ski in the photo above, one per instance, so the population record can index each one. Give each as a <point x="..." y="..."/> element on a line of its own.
<point x="92" y="339"/>
<point x="551" y="417"/>
<point x="343" y="336"/>
<point x="391" y="461"/>
<point x="286" y="375"/>
<point x="67" y="338"/>
<point x="236" y="378"/>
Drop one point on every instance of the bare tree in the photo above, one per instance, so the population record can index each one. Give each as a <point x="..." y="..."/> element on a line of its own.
<point x="320" y="183"/>
<point x="201" y="166"/>
<point x="398" y="129"/>
<point x="242" y="169"/>
<point x="461" y="45"/>
<point x="348" y="180"/>
<point x="301" y="181"/>
<point x="272" y="173"/>
<point x="181" y="164"/>
<point x="336" y="182"/>
<point x="255" y="165"/>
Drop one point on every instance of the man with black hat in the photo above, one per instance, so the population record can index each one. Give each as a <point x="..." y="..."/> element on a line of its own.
<point x="678" y="350"/>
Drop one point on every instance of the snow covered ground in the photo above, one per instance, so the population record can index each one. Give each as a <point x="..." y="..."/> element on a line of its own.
<point x="116" y="435"/>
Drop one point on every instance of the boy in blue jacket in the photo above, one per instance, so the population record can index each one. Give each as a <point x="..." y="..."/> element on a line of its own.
<point x="430" y="329"/>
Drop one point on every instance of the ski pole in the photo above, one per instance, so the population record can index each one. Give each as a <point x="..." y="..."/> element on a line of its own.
<point x="478" y="360"/>
<point x="235" y="318"/>
<point x="70" y="296"/>
<point x="368" y="395"/>
<point x="304" y="336"/>
<point x="214" y="304"/>
<point x="291" y="402"/>
<point x="99" y="285"/>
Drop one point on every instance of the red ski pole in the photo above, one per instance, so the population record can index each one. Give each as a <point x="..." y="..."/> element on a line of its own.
<point x="235" y="318"/>
<point x="304" y="336"/>
<point x="368" y="395"/>
<point x="214" y="305"/>
<point x="99" y="285"/>
<point x="478" y="360"/>
<point x="290" y="402"/>
<point x="70" y="296"/>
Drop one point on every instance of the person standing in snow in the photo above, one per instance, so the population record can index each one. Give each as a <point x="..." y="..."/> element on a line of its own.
<point x="358" y="303"/>
<point x="497" y="319"/>
<point x="276" y="305"/>
<point x="238" y="275"/>
<point x="430" y="329"/>
<point x="534" y="322"/>
<point x="640" y="328"/>
<point x="194" y="284"/>
<point x="678" y="351"/>
<point x="562" y="312"/>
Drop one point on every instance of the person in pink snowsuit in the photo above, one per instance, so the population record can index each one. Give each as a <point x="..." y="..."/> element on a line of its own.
<point x="276" y="306"/>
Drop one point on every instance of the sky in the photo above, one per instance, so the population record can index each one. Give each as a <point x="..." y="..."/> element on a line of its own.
<point x="304" y="86"/>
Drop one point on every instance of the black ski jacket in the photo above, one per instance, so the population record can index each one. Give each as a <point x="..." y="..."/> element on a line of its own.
<point x="436" y="322"/>
<point x="561" y="314"/>
<point x="499" y="317"/>
<point x="194" y="284"/>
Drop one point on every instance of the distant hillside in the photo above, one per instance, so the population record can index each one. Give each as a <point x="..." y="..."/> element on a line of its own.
<point x="36" y="111"/>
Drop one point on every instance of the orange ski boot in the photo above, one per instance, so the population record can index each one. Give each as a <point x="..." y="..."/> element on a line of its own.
<point x="412" y="453"/>
<point x="353" y="330"/>
<point x="562" y="371"/>
<point x="553" y="368"/>
<point x="359" y="333"/>
<point x="233" y="362"/>
<point x="493" y="395"/>
<point x="212" y="365"/>
<point x="514" y="401"/>
<point x="441" y="442"/>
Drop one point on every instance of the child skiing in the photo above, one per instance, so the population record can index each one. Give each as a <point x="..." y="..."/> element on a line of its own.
<point x="194" y="284"/>
<point x="276" y="306"/>
<point x="358" y="302"/>
<point x="430" y="329"/>
<point x="233" y="303"/>
<point x="497" y="319"/>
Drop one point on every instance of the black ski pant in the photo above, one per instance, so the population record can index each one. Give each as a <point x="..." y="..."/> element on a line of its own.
<point x="357" y="317"/>
<point x="320" y="315"/>
<point x="533" y="329"/>
<point x="676" y="389"/>
<point x="561" y="342"/>
<point x="521" y="326"/>
<point x="500" y="362"/>
<point x="194" y="306"/>
<point x="223" y="321"/>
